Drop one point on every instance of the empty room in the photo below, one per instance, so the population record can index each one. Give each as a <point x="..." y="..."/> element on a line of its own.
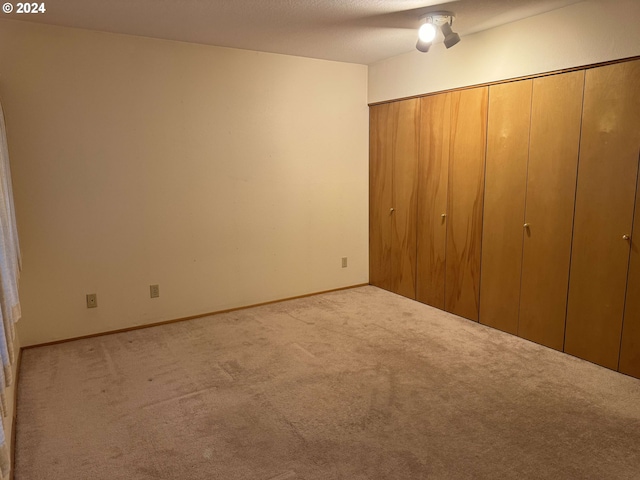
<point x="320" y="240"/>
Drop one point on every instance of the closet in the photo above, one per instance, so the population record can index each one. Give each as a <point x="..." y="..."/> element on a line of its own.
<point x="450" y="197"/>
<point x="433" y="179"/>
<point x="605" y="202"/>
<point x="505" y="189"/>
<point x="532" y="157"/>
<point x="630" y="347"/>
<point x="393" y="177"/>
<point x="554" y="140"/>
<point x="516" y="205"/>
<point x="465" y="192"/>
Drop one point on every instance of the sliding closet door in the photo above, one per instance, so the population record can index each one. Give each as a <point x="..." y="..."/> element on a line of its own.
<point x="432" y="198"/>
<point x="630" y="348"/>
<point x="380" y="191"/>
<point x="605" y="198"/>
<point x="504" y="203"/>
<point x="551" y="187"/>
<point x="405" y="188"/>
<point x="465" y="192"/>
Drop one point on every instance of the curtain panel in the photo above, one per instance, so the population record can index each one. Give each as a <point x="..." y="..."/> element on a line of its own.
<point x="10" y="266"/>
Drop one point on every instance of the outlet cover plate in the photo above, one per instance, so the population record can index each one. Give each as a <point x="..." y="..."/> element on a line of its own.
<point x="154" y="291"/>
<point x="92" y="300"/>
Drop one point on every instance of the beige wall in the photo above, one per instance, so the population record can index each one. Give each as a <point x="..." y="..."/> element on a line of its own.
<point x="581" y="34"/>
<point x="228" y="177"/>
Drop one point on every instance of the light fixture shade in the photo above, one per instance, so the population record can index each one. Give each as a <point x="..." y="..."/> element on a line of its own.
<point x="427" y="32"/>
<point x="450" y="37"/>
<point x="423" y="46"/>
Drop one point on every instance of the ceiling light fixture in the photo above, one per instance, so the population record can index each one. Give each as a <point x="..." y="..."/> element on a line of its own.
<point x="426" y="34"/>
<point x="450" y="37"/>
<point x="429" y="29"/>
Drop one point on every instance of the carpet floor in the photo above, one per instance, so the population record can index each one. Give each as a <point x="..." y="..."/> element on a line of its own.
<point x="359" y="384"/>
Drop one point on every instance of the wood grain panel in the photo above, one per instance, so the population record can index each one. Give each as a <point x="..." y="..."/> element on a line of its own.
<point x="465" y="192"/>
<point x="551" y="187"/>
<point x="630" y="346"/>
<point x="380" y="191"/>
<point x="605" y="199"/>
<point x="504" y="202"/>
<point x="432" y="198"/>
<point x="405" y="187"/>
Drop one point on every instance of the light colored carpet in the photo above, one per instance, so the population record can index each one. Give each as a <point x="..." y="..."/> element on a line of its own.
<point x="358" y="384"/>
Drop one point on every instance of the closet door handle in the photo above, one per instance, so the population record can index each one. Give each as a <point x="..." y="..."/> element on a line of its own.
<point x="444" y="215"/>
<point x="526" y="225"/>
<point x="625" y="237"/>
<point x="391" y="210"/>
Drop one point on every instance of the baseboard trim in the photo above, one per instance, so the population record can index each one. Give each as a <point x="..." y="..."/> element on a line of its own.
<point x="14" y="418"/>
<point x="191" y="317"/>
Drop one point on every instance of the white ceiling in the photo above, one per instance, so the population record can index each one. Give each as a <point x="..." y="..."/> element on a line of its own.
<point x="358" y="31"/>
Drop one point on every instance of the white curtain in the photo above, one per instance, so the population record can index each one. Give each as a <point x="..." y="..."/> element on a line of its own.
<point x="10" y="266"/>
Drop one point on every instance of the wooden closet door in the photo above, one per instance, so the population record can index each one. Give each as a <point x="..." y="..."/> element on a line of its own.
<point x="630" y="347"/>
<point x="605" y="199"/>
<point x="405" y="187"/>
<point x="432" y="198"/>
<point x="380" y="191"/>
<point x="551" y="187"/>
<point x="504" y="197"/>
<point x="465" y="192"/>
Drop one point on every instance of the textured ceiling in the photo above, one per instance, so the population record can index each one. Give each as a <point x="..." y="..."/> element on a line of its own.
<point x="358" y="31"/>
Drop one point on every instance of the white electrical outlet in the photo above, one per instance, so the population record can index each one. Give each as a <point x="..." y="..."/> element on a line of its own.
<point x="344" y="262"/>
<point x="92" y="300"/>
<point x="154" y="291"/>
